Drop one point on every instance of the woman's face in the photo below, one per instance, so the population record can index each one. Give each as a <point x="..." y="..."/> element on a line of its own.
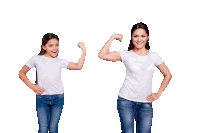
<point x="52" y="48"/>
<point x="139" y="38"/>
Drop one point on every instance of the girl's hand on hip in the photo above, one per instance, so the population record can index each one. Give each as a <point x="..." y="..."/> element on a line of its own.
<point x="37" y="89"/>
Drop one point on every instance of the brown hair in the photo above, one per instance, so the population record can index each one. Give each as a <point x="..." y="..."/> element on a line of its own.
<point x="137" y="26"/>
<point x="45" y="39"/>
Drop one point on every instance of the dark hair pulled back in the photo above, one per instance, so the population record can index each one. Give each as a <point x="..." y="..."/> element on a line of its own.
<point x="139" y="26"/>
<point x="45" y="39"/>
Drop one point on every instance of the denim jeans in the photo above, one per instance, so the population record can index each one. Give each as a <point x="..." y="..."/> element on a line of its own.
<point x="49" y="109"/>
<point x="130" y="110"/>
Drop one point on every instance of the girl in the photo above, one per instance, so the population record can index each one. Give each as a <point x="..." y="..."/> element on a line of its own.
<point x="49" y="88"/>
<point x="135" y="96"/>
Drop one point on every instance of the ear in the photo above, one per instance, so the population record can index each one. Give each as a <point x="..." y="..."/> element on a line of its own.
<point x="43" y="47"/>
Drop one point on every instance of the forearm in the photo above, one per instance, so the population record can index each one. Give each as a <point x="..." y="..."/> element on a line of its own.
<point x="105" y="49"/>
<point x="24" y="78"/>
<point x="82" y="59"/>
<point x="164" y="84"/>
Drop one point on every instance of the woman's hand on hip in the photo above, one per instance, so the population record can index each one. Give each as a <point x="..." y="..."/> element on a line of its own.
<point x="152" y="97"/>
<point x="37" y="89"/>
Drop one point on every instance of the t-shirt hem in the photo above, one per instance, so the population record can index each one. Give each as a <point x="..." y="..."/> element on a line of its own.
<point x="134" y="100"/>
<point x="52" y="93"/>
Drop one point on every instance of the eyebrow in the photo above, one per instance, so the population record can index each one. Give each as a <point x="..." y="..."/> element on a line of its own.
<point x="137" y="35"/>
<point x="52" y="44"/>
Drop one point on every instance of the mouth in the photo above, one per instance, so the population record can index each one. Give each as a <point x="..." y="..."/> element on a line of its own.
<point x="139" y="43"/>
<point x="54" y="52"/>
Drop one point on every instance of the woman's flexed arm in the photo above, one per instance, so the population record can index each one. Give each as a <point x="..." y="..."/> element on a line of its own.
<point x="110" y="56"/>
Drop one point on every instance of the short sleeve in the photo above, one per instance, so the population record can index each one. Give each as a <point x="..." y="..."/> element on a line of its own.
<point x="158" y="60"/>
<point x="65" y="63"/>
<point x="122" y="54"/>
<point x="31" y="62"/>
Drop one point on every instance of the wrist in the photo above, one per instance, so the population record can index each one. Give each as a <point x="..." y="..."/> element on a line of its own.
<point x="159" y="93"/>
<point x="112" y="37"/>
<point x="30" y="86"/>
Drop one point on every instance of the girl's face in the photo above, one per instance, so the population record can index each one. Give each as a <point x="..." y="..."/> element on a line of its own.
<point x="52" y="48"/>
<point x="139" y="38"/>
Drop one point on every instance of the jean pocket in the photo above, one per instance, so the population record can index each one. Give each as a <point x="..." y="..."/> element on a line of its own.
<point x="147" y="105"/>
<point x="61" y="95"/>
<point x="39" y="96"/>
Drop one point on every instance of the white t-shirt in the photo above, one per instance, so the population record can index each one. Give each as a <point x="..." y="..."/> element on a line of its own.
<point x="139" y="73"/>
<point x="48" y="73"/>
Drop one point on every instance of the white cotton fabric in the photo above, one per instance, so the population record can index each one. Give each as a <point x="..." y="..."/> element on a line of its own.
<point x="139" y="73"/>
<point x="48" y="73"/>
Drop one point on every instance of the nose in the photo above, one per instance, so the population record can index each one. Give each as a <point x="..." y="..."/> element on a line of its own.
<point x="139" y="39"/>
<point x="55" y="48"/>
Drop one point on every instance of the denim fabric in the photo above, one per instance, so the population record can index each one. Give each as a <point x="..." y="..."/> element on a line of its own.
<point x="130" y="110"/>
<point x="49" y="109"/>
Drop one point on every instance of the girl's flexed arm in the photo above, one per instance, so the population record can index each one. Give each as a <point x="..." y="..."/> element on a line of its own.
<point x="79" y="65"/>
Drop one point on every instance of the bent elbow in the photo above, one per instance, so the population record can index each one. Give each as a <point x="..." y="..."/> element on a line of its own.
<point x="100" y="56"/>
<point x="78" y="67"/>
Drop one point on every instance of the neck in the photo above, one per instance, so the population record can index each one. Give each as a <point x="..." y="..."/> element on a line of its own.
<point x="142" y="50"/>
<point x="47" y="55"/>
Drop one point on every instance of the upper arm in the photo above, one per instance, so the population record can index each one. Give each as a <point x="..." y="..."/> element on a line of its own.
<point x="111" y="56"/>
<point x="24" y="69"/>
<point x="164" y="69"/>
<point x="72" y="66"/>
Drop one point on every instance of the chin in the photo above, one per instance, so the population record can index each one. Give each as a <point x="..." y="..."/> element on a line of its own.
<point x="53" y="55"/>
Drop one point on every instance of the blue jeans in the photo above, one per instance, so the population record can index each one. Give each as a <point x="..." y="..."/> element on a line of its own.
<point x="49" y="109"/>
<point x="130" y="110"/>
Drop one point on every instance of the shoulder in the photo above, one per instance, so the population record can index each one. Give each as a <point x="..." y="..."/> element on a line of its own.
<point x="61" y="60"/>
<point x="125" y="52"/>
<point x="37" y="56"/>
<point x="33" y="57"/>
<point x="153" y="52"/>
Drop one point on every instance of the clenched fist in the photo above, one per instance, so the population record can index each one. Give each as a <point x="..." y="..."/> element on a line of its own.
<point x="81" y="45"/>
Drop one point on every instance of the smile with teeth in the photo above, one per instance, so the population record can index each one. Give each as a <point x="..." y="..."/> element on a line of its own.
<point x="139" y="43"/>
<point x="54" y="52"/>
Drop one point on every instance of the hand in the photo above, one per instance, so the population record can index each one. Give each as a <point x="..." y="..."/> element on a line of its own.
<point x="118" y="37"/>
<point x="81" y="45"/>
<point x="37" y="89"/>
<point x="152" y="97"/>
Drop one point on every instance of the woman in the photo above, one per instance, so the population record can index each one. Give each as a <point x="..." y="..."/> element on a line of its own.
<point x="135" y="96"/>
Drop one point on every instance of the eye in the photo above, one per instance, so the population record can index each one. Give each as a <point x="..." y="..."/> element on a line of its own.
<point x="137" y="36"/>
<point x="51" y="45"/>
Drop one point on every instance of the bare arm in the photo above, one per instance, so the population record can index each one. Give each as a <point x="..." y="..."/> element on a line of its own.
<point x="110" y="56"/>
<point x="82" y="59"/>
<point x="105" y="49"/>
<point x="23" y="77"/>
<point x="79" y="65"/>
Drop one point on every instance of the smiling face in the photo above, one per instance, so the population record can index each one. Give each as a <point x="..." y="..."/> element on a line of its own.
<point x="52" y="48"/>
<point x="139" y="38"/>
